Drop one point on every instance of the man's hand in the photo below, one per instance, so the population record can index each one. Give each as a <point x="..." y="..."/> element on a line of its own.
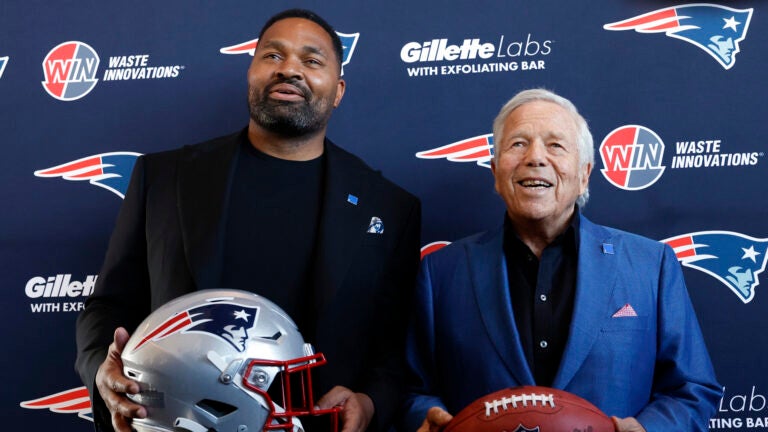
<point x="436" y="420"/>
<point x="356" y="408"/>
<point x="112" y="385"/>
<point x="628" y="424"/>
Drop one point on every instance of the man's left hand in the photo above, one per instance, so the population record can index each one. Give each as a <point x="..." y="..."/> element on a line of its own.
<point x="628" y="424"/>
<point x="356" y="408"/>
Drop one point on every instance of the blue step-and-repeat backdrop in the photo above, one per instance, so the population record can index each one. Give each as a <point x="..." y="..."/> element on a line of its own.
<point x="674" y="93"/>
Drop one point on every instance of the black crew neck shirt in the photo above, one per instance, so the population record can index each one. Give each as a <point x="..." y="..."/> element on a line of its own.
<point x="271" y="229"/>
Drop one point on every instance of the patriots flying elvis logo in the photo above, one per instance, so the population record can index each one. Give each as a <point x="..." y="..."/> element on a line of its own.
<point x="111" y="171"/>
<point x="477" y="149"/>
<point x="348" y="43"/>
<point x="227" y="321"/>
<point x="715" y="29"/>
<point x="3" y="62"/>
<point x="72" y="401"/>
<point x="732" y="258"/>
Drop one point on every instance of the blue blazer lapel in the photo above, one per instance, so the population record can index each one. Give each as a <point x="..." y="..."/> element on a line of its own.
<point x="490" y="284"/>
<point x="595" y="281"/>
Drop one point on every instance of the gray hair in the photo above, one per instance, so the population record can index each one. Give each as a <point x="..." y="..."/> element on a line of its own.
<point x="584" y="140"/>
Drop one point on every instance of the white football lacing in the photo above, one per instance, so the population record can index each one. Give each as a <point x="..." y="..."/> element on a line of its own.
<point x="523" y="399"/>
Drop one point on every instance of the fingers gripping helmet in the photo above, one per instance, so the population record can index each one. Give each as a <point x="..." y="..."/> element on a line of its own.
<point x="219" y="360"/>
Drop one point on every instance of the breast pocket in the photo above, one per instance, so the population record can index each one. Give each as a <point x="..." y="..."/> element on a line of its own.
<point x="625" y="324"/>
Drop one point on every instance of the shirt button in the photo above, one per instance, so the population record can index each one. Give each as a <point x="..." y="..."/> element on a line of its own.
<point x="543" y="297"/>
<point x="543" y="344"/>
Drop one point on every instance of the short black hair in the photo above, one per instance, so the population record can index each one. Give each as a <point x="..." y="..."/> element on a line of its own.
<point x="315" y="18"/>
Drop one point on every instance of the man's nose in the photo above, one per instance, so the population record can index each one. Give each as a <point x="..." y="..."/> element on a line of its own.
<point x="535" y="155"/>
<point x="289" y="68"/>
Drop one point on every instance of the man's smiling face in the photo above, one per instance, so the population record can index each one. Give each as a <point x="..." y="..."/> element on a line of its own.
<point x="537" y="168"/>
<point x="294" y="79"/>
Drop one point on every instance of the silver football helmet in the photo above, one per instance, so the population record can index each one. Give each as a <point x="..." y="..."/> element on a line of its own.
<point x="222" y="360"/>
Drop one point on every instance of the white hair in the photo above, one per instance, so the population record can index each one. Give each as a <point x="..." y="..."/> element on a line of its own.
<point x="584" y="139"/>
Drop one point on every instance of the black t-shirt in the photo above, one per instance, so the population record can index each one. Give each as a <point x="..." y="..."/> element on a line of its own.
<point x="271" y="230"/>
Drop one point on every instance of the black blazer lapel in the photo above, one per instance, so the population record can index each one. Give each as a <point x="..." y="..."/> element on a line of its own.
<point x="343" y="220"/>
<point x="204" y="178"/>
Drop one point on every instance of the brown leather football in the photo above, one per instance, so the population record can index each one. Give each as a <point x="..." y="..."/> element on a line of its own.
<point x="530" y="409"/>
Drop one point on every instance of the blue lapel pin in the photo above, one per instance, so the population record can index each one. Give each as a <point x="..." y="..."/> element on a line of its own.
<point x="608" y="248"/>
<point x="352" y="199"/>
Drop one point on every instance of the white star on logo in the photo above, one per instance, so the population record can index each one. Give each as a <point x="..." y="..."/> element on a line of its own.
<point x="242" y="314"/>
<point x="731" y="23"/>
<point x="750" y="253"/>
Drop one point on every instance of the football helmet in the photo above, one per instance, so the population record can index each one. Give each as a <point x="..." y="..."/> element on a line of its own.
<point x="222" y="360"/>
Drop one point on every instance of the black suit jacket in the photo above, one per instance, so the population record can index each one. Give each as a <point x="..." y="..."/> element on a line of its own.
<point x="168" y="241"/>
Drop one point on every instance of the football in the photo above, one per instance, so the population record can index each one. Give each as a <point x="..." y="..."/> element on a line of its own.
<point x="529" y="409"/>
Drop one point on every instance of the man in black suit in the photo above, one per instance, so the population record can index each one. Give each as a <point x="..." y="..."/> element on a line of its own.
<point x="278" y="210"/>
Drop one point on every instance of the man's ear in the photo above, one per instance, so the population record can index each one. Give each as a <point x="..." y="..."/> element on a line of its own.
<point x="340" y="87"/>
<point x="587" y="170"/>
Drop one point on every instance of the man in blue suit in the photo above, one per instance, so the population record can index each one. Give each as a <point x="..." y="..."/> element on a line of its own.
<point x="552" y="299"/>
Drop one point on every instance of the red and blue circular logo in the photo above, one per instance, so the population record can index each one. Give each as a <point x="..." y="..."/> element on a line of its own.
<point x="70" y="70"/>
<point x="632" y="157"/>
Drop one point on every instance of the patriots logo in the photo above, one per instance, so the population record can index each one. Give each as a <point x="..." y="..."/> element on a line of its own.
<point x="477" y="149"/>
<point x="348" y="44"/>
<point x="713" y="28"/>
<point x="3" y="62"/>
<point x="111" y="171"/>
<point x="72" y="401"/>
<point x="227" y="321"/>
<point x="433" y="247"/>
<point x="732" y="258"/>
<point x="522" y="428"/>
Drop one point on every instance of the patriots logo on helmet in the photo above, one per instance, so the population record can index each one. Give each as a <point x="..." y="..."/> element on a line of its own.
<point x="111" y="171"/>
<point x="732" y="258"/>
<point x="348" y="43"/>
<point x="227" y="321"/>
<point x="477" y="149"/>
<point x="72" y="401"/>
<point x="713" y="28"/>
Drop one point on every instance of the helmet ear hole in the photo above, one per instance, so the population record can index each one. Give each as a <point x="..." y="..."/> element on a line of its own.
<point x="215" y="408"/>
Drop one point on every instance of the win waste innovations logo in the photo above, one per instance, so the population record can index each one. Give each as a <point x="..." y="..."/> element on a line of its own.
<point x="71" y="70"/>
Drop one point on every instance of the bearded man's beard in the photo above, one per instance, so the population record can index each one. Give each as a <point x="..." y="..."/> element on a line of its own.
<point x="289" y="118"/>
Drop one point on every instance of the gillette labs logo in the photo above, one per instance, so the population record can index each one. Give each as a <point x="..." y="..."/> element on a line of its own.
<point x="473" y="55"/>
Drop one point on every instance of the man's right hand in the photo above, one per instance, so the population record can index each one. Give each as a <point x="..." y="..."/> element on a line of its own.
<point x="113" y="385"/>
<point x="437" y="419"/>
